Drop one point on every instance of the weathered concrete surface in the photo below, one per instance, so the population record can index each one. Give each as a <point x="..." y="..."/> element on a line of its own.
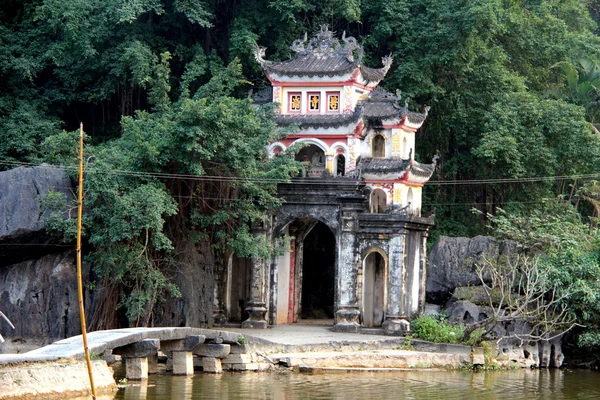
<point x="56" y="380"/>
<point x="22" y="226"/>
<point x="40" y="298"/>
<point x="451" y="263"/>
<point x="373" y="359"/>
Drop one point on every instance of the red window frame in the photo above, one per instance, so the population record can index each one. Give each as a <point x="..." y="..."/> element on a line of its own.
<point x="336" y="93"/>
<point x="289" y="103"/>
<point x="308" y="110"/>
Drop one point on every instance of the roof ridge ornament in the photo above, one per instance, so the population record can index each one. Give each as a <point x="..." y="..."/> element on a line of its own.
<point x="325" y="41"/>
<point x="381" y="94"/>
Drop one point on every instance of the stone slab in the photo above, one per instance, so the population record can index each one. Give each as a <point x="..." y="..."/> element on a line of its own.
<point x="243" y="367"/>
<point x="239" y="359"/>
<point x="240" y="349"/>
<point x="212" y="350"/>
<point x="143" y="348"/>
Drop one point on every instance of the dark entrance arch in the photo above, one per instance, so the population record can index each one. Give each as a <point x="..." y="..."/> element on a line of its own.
<point x="318" y="273"/>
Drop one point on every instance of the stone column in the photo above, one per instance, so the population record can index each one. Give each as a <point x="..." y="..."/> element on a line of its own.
<point x="222" y="262"/>
<point x="257" y="306"/>
<point x="423" y="272"/>
<point x="347" y="314"/>
<point x="183" y="363"/>
<point x="396" y="322"/>
<point x="329" y="156"/>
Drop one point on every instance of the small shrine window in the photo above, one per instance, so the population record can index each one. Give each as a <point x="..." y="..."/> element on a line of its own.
<point x="333" y="102"/>
<point x="378" y="201"/>
<point x="378" y="146"/>
<point x="295" y="102"/>
<point x="314" y="102"/>
<point x="340" y="165"/>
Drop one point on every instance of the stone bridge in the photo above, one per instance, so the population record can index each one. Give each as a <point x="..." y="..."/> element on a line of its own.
<point x="139" y="347"/>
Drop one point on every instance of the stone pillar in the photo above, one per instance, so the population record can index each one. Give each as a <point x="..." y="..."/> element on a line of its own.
<point x="136" y="357"/>
<point x="423" y="272"/>
<point x="183" y="363"/>
<point x="329" y="156"/>
<point x="136" y="368"/>
<point x="153" y="363"/>
<point x="222" y="262"/>
<point x="347" y="314"/>
<point x="212" y="365"/>
<point x="257" y="306"/>
<point x="396" y="321"/>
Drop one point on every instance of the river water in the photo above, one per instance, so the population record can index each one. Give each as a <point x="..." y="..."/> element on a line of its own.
<point x="397" y="385"/>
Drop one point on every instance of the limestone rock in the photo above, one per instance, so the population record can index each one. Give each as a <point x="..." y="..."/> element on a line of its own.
<point x="466" y="312"/>
<point x="22" y="226"/>
<point x="40" y="298"/>
<point x="451" y="263"/>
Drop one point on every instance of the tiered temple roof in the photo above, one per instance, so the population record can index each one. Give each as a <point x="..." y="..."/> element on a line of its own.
<point x="324" y="56"/>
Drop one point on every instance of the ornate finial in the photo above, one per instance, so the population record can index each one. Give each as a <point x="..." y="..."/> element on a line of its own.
<point x="406" y="101"/>
<point x="259" y="53"/>
<point x="435" y="160"/>
<point x="387" y="62"/>
<point x="398" y="94"/>
<point x="325" y="41"/>
<point x="298" y="44"/>
<point x="427" y="110"/>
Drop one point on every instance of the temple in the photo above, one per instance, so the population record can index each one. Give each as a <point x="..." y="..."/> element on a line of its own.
<point x="354" y="240"/>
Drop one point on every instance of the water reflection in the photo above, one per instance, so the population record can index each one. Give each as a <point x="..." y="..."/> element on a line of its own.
<point x="430" y="385"/>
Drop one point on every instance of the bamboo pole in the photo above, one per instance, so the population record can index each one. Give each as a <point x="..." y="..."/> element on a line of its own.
<point x="79" y="278"/>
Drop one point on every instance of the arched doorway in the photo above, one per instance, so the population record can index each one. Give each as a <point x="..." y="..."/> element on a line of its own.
<point x="306" y="273"/>
<point x="373" y="293"/>
<point x="238" y="289"/>
<point x="318" y="274"/>
<point x="314" y="159"/>
<point x="378" y="201"/>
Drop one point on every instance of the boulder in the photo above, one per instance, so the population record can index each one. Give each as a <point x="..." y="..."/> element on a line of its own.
<point x="22" y="226"/>
<point x="451" y="263"/>
<point x="465" y="312"/>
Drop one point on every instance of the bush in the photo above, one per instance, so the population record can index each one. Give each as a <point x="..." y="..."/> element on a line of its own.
<point x="436" y="329"/>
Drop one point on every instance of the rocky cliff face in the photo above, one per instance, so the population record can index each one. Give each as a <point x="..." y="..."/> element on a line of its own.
<point x="22" y="227"/>
<point x="454" y="287"/>
<point x="40" y="298"/>
<point x="451" y="263"/>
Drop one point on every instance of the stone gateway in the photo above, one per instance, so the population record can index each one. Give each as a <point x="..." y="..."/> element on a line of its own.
<point x="349" y="240"/>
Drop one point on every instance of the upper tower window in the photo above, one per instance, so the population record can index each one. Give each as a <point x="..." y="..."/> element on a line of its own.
<point x="333" y="102"/>
<point x="314" y="102"/>
<point x="295" y="102"/>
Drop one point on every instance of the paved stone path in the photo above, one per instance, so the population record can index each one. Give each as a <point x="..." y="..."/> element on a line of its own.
<point x="294" y="338"/>
<point x="98" y="342"/>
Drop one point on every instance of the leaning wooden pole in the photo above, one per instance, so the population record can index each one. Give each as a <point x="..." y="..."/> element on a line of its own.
<point x="79" y="278"/>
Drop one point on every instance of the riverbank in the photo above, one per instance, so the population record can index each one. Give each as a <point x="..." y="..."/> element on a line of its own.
<point x="289" y="347"/>
<point x="54" y="380"/>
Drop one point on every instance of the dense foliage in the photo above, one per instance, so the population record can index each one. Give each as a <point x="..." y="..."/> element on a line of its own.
<point x="160" y="86"/>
